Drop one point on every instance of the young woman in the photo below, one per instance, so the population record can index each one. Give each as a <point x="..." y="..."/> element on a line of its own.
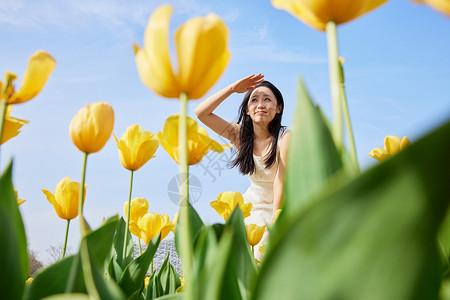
<point x="260" y="140"/>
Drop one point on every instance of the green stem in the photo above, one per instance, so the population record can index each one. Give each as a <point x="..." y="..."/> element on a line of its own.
<point x="83" y="229"/>
<point x="348" y="124"/>
<point x="65" y="239"/>
<point x="186" y="254"/>
<point x="125" y="239"/>
<point x="333" y="64"/>
<point x="140" y="248"/>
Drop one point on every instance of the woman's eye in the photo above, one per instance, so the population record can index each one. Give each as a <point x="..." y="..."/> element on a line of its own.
<point x="267" y="99"/>
<point x="253" y="100"/>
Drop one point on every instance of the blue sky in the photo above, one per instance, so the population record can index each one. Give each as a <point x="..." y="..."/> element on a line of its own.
<point x="397" y="75"/>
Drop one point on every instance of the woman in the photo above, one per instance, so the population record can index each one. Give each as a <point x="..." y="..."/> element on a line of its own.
<point x="260" y="140"/>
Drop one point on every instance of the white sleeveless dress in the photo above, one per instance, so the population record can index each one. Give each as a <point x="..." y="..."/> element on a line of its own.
<point x="260" y="194"/>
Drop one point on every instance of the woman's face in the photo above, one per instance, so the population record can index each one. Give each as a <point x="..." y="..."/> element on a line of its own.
<point x="262" y="105"/>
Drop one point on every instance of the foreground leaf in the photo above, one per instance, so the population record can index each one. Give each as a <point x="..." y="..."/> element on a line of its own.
<point x="13" y="249"/>
<point x="374" y="238"/>
<point x="313" y="157"/>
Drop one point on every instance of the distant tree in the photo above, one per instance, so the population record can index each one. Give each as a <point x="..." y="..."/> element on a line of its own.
<point x="35" y="263"/>
<point x="56" y="252"/>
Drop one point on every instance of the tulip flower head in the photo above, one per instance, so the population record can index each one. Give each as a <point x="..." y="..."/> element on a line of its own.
<point x="392" y="145"/>
<point x="254" y="233"/>
<point x="11" y="126"/>
<point x="139" y="207"/>
<point x="152" y="224"/>
<point x="198" y="140"/>
<point x="317" y="13"/>
<point x="40" y="66"/>
<point x="227" y="202"/>
<point x="92" y="126"/>
<point x="65" y="199"/>
<point x="442" y="6"/>
<point x="201" y="48"/>
<point x="136" y="147"/>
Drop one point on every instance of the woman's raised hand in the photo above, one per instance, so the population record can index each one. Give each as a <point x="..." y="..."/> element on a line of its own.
<point x="247" y="83"/>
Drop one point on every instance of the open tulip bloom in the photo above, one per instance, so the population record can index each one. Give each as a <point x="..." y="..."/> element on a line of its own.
<point x="198" y="140"/>
<point x="227" y="202"/>
<point x="442" y="6"/>
<point x="201" y="47"/>
<point x="392" y="145"/>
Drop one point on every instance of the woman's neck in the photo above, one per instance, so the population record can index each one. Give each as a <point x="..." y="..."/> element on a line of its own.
<point x="260" y="132"/>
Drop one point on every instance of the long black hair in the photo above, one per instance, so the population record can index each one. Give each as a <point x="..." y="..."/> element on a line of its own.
<point x="244" y="158"/>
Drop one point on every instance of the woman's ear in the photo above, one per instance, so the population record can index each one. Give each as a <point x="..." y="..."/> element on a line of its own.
<point x="279" y="108"/>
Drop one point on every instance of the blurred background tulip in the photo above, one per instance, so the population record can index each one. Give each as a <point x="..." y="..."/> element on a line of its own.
<point x="392" y="145"/>
<point x="19" y="201"/>
<point x="442" y="6"/>
<point x="92" y="126"/>
<point x="40" y="66"/>
<point x="198" y="140"/>
<point x="317" y="13"/>
<point x="254" y="234"/>
<point x="136" y="147"/>
<point x="227" y="201"/>
<point x="201" y="47"/>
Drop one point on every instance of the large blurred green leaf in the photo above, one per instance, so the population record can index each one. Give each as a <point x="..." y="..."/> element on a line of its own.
<point x="134" y="274"/>
<point x="195" y="226"/>
<point x="118" y="245"/>
<point x="374" y="238"/>
<point x="13" y="249"/>
<point x="50" y="281"/>
<point x="313" y="157"/>
<point x="444" y="242"/>
<point x="241" y="268"/>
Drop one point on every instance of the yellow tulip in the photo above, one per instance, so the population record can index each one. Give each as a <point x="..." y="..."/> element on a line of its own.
<point x="201" y="47"/>
<point x="139" y="207"/>
<point x="136" y="147"/>
<point x="254" y="233"/>
<point x="11" y="128"/>
<point x="440" y="5"/>
<point x="392" y="145"/>
<point x="65" y="199"/>
<point x="40" y="66"/>
<point x="29" y="280"/>
<point x="151" y="224"/>
<point x="262" y="249"/>
<point x="276" y="215"/>
<point x="198" y="140"/>
<point x="19" y="201"/>
<point x="92" y="126"/>
<point x="226" y="203"/>
<point x="317" y="13"/>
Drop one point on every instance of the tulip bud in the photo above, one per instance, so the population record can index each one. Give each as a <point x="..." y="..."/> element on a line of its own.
<point x="92" y="126"/>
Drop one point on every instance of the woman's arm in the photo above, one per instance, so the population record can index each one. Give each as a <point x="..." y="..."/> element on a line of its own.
<point x="204" y="111"/>
<point x="279" y="177"/>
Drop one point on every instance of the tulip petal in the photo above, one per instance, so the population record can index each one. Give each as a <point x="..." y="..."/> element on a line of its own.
<point x="202" y="55"/>
<point x="11" y="128"/>
<point x="40" y="66"/>
<point x="404" y="143"/>
<point x="379" y="154"/>
<point x="392" y="144"/>
<point x="153" y="62"/>
<point x="317" y="13"/>
<point x="440" y="5"/>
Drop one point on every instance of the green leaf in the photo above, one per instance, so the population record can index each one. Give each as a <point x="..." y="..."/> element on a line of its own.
<point x="13" y="252"/>
<point x="444" y="243"/>
<point x="313" y="157"/>
<point x="114" y="270"/>
<point x="50" y="281"/>
<point x="118" y="245"/>
<point x="373" y="238"/>
<point x="168" y="277"/>
<point x="242" y="264"/>
<point x="195" y="226"/>
<point x="68" y="297"/>
<point x="154" y="288"/>
<point x="171" y="297"/>
<point x="134" y="274"/>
